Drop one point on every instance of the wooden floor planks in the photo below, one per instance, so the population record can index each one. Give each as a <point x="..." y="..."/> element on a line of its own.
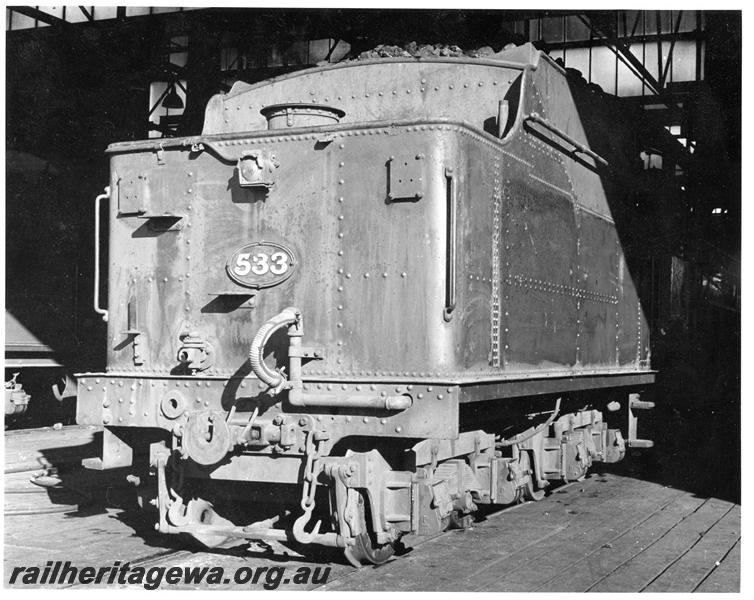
<point x="594" y="528"/>
<point x="727" y="576"/>
<point x="613" y="533"/>
<point x="599" y="561"/>
<point x="68" y="444"/>
<point x="494" y="543"/>
<point x="650" y="562"/>
<point x="551" y="572"/>
<point x="692" y="567"/>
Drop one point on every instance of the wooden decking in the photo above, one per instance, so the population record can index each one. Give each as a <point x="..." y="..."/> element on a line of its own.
<point x="608" y="533"/>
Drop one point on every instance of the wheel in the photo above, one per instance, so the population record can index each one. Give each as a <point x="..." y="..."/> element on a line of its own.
<point x="365" y="550"/>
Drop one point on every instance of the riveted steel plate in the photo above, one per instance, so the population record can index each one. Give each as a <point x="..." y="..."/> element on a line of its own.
<point x="461" y="89"/>
<point x="107" y="399"/>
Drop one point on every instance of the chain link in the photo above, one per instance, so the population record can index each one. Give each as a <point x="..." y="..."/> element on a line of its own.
<point x="311" y="471"/>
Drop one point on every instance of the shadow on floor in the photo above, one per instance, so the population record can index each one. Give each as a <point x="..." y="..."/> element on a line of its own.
<point x="696" y="422"/>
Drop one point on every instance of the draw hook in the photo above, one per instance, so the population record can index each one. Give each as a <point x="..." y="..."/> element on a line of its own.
<point x="302" y="536"/>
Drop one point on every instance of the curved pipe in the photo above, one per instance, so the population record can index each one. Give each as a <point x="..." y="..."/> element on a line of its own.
<point x="274" y="379"/>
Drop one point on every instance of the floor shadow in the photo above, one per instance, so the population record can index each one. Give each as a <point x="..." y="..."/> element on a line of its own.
<point x="81" y="492"/>
<point x="696" y="422"/>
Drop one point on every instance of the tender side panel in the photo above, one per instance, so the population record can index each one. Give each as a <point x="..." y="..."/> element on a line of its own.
<point x="599" y="312"/>
<point x="539" y="304"/>
<point x="552" y="90"/>
<point x="633" y="332"/>
<point x="390" y="260"/>
<point x="476" y="176"/>
<point x="610" y="332"/>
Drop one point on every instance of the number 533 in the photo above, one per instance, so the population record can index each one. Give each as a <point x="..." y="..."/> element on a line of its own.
<point x="260" y="263"/>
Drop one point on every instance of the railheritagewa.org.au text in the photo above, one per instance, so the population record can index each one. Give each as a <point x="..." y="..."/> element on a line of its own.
<point x="64" y="573"/>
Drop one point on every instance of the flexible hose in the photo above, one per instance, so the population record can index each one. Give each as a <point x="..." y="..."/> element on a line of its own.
<point x="273" y="379"/>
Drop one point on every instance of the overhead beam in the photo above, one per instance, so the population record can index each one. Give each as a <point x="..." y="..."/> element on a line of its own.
<point x="332" y="48"/>
<point x="89" y="15"/>
<point x="628" y="40"/>
<point x="39" y="15"/>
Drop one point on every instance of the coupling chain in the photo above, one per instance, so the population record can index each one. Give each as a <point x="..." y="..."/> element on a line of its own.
<point x="311" y="472"/>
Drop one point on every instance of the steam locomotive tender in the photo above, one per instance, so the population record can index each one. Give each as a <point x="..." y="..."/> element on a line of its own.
<point x="378" y="293"/>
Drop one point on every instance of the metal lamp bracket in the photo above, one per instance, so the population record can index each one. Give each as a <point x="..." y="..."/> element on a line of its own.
<point x="256" y="168"/>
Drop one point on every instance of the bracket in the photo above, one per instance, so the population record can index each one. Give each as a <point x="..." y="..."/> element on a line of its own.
<point x="311" y="352"/>
<point x="406" y="177"/>
<point x="115" y="453"/>
<point x="634" y="403"/>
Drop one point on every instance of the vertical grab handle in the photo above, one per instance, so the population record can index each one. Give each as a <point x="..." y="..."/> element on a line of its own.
<point x="450" y="251"/>
<point x="97" y="202"/>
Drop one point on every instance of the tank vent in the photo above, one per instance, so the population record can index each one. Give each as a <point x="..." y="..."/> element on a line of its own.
<point x="281" y="116"/>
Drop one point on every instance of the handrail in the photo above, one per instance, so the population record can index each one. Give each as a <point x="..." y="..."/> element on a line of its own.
<point x="450" y="269"/>
<point x="578" y="146"/>
<point x="97" y="201"/>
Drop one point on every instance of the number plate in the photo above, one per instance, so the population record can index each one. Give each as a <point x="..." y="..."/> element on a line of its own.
<point x="261" y="264"/>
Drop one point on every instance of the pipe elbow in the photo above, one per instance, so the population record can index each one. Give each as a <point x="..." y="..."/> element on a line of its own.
<point x="272" y="378"/>
<point x="296" y="397"/>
